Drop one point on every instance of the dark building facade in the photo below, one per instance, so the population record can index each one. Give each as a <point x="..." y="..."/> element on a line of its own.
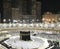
<point x="7" y="10"/>
<point x="26" y="7"/>
<point x="38" y="11"/>
<point x="0" y="9"/>
<point x="29" y="10"/>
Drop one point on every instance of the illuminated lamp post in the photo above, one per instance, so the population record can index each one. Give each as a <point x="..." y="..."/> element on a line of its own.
<point x="43" y="19"/>
<point x="37" y="20"/>
<point x="4" y="20"/>
<point x="9" y="22"/>
<point x="14" y="21"/>
<point x="37" y="25"/>
<point x="4" y="25"/>
<point x="32" y="25"/>
<point x="20" y="25"/>
<point x="49" y="20"/>
<point x="33" y="21"/>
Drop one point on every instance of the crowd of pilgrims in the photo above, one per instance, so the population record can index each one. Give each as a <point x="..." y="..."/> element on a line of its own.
<point x="53" y="45"/>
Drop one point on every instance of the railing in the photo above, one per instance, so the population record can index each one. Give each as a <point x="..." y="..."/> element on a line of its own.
<point x="32" y="27"/>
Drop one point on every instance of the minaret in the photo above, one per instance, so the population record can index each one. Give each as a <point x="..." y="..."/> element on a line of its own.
<point x="7" y="10"/>
<point x="33" y="7"/>
<point x="38" y="11"/>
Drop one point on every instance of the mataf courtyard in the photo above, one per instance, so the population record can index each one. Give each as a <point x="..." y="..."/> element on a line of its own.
<point x="39" y="37"/>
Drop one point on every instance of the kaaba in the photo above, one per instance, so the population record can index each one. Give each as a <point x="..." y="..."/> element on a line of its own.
<point x="25" y="35"/>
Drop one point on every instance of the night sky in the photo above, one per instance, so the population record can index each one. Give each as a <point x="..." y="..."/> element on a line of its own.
<point x="51" y="6"/>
